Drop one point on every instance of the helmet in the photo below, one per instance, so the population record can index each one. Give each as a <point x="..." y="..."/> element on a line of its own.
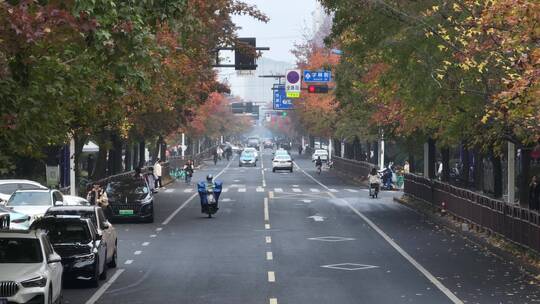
<point x="209" y="177"/>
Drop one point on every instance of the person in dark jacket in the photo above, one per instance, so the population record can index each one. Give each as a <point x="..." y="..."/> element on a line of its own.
<point x="534" y="193"/>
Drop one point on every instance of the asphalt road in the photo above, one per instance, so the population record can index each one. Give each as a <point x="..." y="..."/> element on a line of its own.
<point x="298" y="238"/>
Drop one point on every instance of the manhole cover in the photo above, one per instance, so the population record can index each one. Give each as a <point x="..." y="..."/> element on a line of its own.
<point x="349" y="266"/>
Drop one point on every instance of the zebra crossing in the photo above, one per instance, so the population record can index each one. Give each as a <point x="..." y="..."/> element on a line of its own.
<point x="259" y="189"/>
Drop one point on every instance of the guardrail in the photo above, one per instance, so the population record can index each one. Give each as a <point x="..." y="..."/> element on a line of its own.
<point x="178" y="161"/>
<point x="516" y="223"/>
<point x="4" y="221"/>
<point x="353" y="168"/>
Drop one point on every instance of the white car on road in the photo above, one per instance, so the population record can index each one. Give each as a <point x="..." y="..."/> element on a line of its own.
<point x="34" y="202"/>
<point x="282" y="162"/>
<point x="252" y="150"/>
<point x="31" y="269"/>
<point x="323" y="154"/>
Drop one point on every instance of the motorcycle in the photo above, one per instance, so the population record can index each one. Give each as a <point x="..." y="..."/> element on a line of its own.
<point x="209" y="197"/>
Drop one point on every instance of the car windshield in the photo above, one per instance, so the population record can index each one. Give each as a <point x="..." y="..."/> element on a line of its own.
<point x="247" y="155"/>
<point x="67" y="232"/>
<point x="20" y="250"/>
<point x="30" y="198"/>
<point x="90" y="214"/>
<point x="127" y="186"/>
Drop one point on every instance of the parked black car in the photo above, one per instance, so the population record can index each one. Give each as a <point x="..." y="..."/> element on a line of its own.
<point x="76" y="240"/>
<point x="130" y="197"/>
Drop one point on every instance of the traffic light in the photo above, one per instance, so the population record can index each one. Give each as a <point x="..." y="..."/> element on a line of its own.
<point x="318" y="89"/>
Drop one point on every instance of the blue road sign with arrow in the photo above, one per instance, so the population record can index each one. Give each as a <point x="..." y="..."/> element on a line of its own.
<point x="281" y="102"/>
<point x="317" y="76"/>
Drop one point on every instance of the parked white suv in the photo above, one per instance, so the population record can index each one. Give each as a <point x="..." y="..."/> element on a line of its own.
<point x="34" y="202"/>
<point x="31" y="269"/>
<point x="8" y="186"/>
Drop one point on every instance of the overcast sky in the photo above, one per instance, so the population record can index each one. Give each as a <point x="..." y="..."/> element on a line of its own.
<point x="288" y="21"/>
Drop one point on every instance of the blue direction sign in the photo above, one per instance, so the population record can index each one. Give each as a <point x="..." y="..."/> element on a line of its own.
<point x="281" y="102"/>
<point x="317" y="76"/>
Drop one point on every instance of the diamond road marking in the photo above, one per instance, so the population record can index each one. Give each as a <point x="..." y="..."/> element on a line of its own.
<point x="350" y="266"/>
<point x="332" y="239"/>
<point x="352" y="190"/>
<point x="278" y="190"/>
<point x="296" y="190"/>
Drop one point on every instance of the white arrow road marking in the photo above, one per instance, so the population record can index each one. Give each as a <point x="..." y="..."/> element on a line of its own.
<point x="331" y="239"/>
<point x="317" y="218"/>
<point x="349" y="266"/>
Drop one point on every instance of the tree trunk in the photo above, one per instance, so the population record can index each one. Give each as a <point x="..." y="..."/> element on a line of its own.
<point x="128" y="159"/>
<point x="478" y="170"/>
<point x="79" y="144"/>
<point x="445" y="153"/>
<point x="525" y="164"/>
<point x="135" y="160"/>
<point x="142" y="153"/>
<point x="432" y="150"/>
<point x="465" y="168"/>
<point x="101" y="163"/>
<point x="497" y="177"/>
<point x="117" y="153"/>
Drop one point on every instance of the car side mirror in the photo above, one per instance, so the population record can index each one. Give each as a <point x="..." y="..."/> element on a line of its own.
<point x="54" y="258"/>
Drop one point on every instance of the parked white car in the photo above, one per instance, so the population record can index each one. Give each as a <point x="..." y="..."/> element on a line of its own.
<point x="31" y="269"/>
<point x="8" y="186"/>
<point x="320" y="153"/>
<point x="34" y="202"/>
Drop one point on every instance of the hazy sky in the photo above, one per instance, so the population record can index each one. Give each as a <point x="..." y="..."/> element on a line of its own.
<point x="288" y="20"/>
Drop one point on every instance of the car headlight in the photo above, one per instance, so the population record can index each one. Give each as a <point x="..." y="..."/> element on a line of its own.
<point x="35" y="282"/>
<point x="84" y="257"/>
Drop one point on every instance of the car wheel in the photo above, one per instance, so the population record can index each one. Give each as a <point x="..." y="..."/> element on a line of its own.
<point x="273" y="170"/>
<point x="113" y="263"/>
<point x="290" y="170"/>
<point x="103" y="275"/>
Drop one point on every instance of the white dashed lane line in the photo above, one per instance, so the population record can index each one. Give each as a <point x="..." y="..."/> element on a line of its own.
<point x="273" y="301"/>
<point x="269" y="256"/>
<point x="145" y="244"/>
<point x="271" y="277"/>
<point x="268" y="239"/>
<point x="138" y="252"/>
<point x="128" y="262"/>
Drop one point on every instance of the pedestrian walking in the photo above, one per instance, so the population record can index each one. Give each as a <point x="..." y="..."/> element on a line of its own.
<point x="188" y="168"/>
<point x="157" y="174"/>
<point x="98" y="197"/>
<point x="534" y="193"/>
<point x="300" y="148"/>
<point x="151" y="179"/>
<point x="406" y="168"/>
